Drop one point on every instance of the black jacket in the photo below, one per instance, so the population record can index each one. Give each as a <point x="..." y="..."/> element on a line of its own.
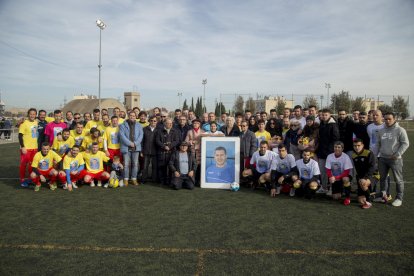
<point x="235" y="131"/>
<point x="183" y="131"/>
<point x="163" y="139"/>
<point x="148" y="141"/>
<point x="361" y="132"/>
<point x="174" y="163"/>
<point x="345" y="133"/>
<point x="328" y="135"/>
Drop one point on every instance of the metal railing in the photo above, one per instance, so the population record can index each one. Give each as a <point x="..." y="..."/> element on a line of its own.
<point x="9" y="135"/>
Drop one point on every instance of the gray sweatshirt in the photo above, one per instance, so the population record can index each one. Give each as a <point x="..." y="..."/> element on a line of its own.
<point x="392" y="141"/>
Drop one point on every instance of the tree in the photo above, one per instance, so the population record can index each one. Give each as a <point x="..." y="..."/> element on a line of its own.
<point x="185" y="106"/>
<point x="310" y="100"/>
<point x="385" y="108"/>
<point x="220" y="108"/>
<point x="400" y="107"/>
<point x="358" y="104"/>
<point x="251" y="105"/>
<point x="280" y="107"/>
<point x="199" y="107"/>
<point x="192" y="104"/>
<point x="340" y="101"/>
<point x="238" y="104"/>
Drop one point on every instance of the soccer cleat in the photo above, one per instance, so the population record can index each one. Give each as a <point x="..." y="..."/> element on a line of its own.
<point x="52" y="186"/>
<point x="389" y="197"/>
<point x="26" y="183"/>
<point x="367" y="205"/>
<point x="99" y="184"/>
<point x="292" y="192"/>
<point x="65" y="186"/>
<point x="347" y="201"/>
<point x="321" y="190"/>
<point x="37" y="188"/>
<point x="74" y="185"/>
<point x="397" y="202"/>
<point x="278" y="190"/>
<point x="92" y="184"/>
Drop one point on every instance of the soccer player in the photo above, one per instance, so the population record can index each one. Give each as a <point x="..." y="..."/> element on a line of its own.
<point x="111" y="139"/>
<point x="338" y="167"/>
<point x="283" y="168"/>
<point x="28" y="142"/>
<point x="104" y="123"/>
<point x="96" y="122"/>
<point x="94" y="166"/>
<point x="220" y="171"/>
<point x="73" y="165"/>
<point x="55" y="127"/>
<point x="95" y="136"/>
<point x="79" y="135"/>
<point x="63" y="142"/>
<point x="42" y="167"/>
<point x="117" y="113"/>
<point x="260" y="165"/>
<point x="364" y="163"/>
<point x="309" y="175"/>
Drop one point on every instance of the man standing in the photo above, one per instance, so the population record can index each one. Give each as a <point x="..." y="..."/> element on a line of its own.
<point x="149" y="151"/>
<point x="248" y="145"/>
<point x="111" y="140"/>
<point x="345" y="126"/>
<point x="130" y="135"/>
<point x="392" y="142"/>
<point x="28" y="142"/>
<point x="166" y="140"/>
<point x="55" y="127"/>
<point x="360" y="128"/>
<point x="183" y="127"/>
<point x="183" y="166"/>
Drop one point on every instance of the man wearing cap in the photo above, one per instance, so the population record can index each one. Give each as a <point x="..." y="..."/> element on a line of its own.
<point x="182" y="166"/>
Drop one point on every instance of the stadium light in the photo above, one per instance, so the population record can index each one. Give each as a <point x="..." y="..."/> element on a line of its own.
<point x="327" y="86"/>
<point x="204" y="82"/>
<point x="101" y="25"/>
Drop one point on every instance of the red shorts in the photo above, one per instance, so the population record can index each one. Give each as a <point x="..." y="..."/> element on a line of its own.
<point x="77" y="177"/>
<point x="114" y="152"/>
<point x="46" y="174"/>
<point x="96" y="176"/>
<point x="26" y="159"/>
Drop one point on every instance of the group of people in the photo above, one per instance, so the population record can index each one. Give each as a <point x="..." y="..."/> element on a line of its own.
<point x="300" y="152"/>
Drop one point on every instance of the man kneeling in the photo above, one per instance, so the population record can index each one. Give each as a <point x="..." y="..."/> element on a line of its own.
<point x="183" y="166"/>
<point x="94" y="166"/>
<point x="43" y="167"/>
<point x="307" y="182"/>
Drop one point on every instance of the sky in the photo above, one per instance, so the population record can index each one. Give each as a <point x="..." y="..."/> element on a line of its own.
<point x="49" y="50"/>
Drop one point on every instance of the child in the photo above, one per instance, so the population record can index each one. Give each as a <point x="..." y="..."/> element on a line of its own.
<point x="117" y="173"/>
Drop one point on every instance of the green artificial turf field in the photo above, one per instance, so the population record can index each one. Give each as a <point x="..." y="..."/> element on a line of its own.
<point x="154" y="230"/>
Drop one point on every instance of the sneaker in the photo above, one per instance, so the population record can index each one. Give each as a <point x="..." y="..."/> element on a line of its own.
<point x="321" y="190"/>
<point x="92" y="184"/>
<point x="135" y="182"/>
<point x="52" y="186"/>
<point x="389" y="197"/>
<point x="26" y="183"/>
<point x="106" y="185"/>
<point x="37" y="188"/>
<point x="121" y="183"/>
<point x="383" y="199"/>
<point x="65" y="186"/>
<point x="367" y="205"/>
<point x="292" y="192"/>
<point x="278" y="190"/>
<point x="329" y="192"/>
<point x="397" y="202"/>
<point x="126" y="182"/>
<point x="74" y="185"/>
<point x="99" y="184"/>
<point x="347" y="201"/>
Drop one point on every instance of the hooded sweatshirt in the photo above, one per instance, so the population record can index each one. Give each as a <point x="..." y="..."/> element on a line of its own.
<point x="392" y="141"/>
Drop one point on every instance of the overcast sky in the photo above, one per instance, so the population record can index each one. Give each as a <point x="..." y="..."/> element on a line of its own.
<point x="49" y="49"/>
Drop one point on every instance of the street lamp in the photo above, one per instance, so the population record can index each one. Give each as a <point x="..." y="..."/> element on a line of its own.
<point x="204" y="82"/>
<point x="101" y="25"/>
<point x="179" y="99"/>
<point x="327" y="86"/>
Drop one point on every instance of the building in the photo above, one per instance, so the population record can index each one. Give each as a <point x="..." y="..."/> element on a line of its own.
<point x="88" y="104"/>
<point x="269" y="103"/>
<point x="2" y="107"/>
<point x="132" y="99"/>
<point x="371" y="104"/>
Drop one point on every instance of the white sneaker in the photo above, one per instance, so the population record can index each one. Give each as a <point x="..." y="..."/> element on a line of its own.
<point x="99" y="184"/>
<point x="121" y="183"/>
<point x="329" y="192"/>
<point x="278" y="190"/>
<point x="321" y="190"/>
<point x="65" y="186"/>
<point x="92" y="184"/>
<point x="74" y="185"/>
<point x="106" y="185"/>
<point x="292" y="192"/>
<point x="397" y="202"/>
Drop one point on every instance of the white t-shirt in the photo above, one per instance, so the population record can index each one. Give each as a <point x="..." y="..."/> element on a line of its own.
<point x="372" y="130"/>
<point x="338" y="165"/>
<point x="264" y="162"/>
<point x="283" y="165"/>
<point x="309" y="170"/>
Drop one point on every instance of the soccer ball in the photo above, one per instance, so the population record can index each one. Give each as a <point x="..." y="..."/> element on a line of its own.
<point x="234" y="186"/>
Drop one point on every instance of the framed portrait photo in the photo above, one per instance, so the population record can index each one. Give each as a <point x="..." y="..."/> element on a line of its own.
<point x="220" y="162"/>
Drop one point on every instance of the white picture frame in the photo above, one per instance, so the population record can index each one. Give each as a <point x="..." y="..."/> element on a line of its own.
<point x="215" y="173"/>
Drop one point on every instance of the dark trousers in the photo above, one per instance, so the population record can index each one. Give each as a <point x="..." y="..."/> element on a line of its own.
<point x="150" y="163"/>
<point x="182" y="181"/>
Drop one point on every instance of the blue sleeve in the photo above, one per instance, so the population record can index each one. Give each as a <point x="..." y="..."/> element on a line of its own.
<point x="68" y="176"/>
<point x="81" y="167"/>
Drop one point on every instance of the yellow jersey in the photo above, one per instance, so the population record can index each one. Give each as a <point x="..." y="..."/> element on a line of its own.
<point x="111" y="137"/>
<point x="60" y="147"/>
<point x="262" y="136"/>
<point x="78" y="137"/>
<point x="43" y="163"/>
<point x="29" y="131"/>
<point x="87" y="143"/>
<point x="73" y="163"/>
<point x="91" y="124"/>
<point x="94" y="162"/>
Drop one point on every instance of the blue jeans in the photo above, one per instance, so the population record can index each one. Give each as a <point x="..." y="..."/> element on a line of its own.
<point x="384" y="165"/>
<point x="131" y="164"/>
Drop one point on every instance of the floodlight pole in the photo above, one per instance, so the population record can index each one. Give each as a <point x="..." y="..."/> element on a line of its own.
<point x="327" y="86"/>
<point x="101" y="25"/>
<point x="179" y="99"/>
<point x="204" y="82"/>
